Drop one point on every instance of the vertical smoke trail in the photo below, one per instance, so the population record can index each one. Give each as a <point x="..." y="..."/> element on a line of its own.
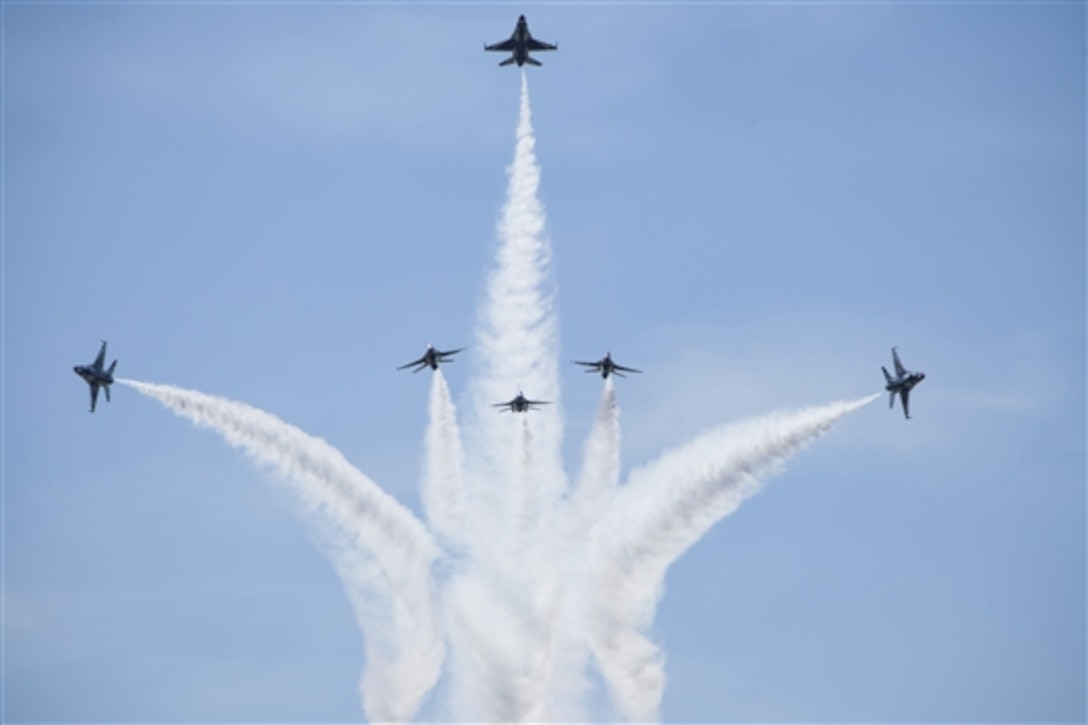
<point x="665" y="508"/>
<point x="591" y="497"/>
<point x="601" y="465"/>
<point x="517" y="330"/>
<point x="505" y="605"/>
<point x="443" y="466"/>
<point x="517" y="348"/>
<point x="381" y="551"/>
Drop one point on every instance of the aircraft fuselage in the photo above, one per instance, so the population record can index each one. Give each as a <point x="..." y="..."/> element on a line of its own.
<point x="92" y="376"/>
<point x="97" y="375"/>
<point x="905" y="383"/>
<point x="520" y="43"/>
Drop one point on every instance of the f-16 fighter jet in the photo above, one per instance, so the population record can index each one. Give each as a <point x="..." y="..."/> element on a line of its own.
<point x="605" y="366"/>
<point x="519" y="404"/>
<point x="431" y="358"/>
<point x="520" y="43"/>
<point x="97" y="376"/>
<point x="902" y="383"/>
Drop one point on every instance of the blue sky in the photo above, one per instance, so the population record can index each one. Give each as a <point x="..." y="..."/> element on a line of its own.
<point x="281" y="203"/>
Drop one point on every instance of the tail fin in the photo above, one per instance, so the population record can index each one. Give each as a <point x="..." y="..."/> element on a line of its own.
<point x="886" y="375"/>
<point x="110" y="371"/>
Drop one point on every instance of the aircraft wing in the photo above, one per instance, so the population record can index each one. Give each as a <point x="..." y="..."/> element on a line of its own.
<point x="100" y="361"/>
<point x="596" y="365"/>
<point x="421" y="361"/>
<point x="507" y="45"/>
<point x="625" y="369"/>
<point x="534" y="44"/>
<point x="537" y="402"/>
<point x="444" y="353"/>
<point x="900" y="371"/>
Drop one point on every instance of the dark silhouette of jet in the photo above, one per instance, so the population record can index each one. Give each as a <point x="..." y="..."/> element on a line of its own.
<point x="519" y="44"/>
<point x="606" y="366"/>
<point x="431" y="359"/>
<point x="519" y="404"/>
<point x="96" y="376"/>
<point x="902" y="383"/>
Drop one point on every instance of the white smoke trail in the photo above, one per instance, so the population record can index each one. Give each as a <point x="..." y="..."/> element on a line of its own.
<point x="664" y="509"/>
<point x="443" y="467"/>
<point x="517" y="474"/>
<point x="601" y="465"/>
<point x="517" y="332"/>
<point x="596" y="486"/>
<point x="541" y="581"/>
<point x="505" y="606"/>
<point x="381" y="551"/>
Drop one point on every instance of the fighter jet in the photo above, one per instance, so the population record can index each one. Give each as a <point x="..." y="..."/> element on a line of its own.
<point x="96" y="376"/>
<point x="605" y="366"/>
<point x="902" y="383"/>
<point x="519" y="404"/>
<point x="431" y="358"/>
<point x="520" y="43"/>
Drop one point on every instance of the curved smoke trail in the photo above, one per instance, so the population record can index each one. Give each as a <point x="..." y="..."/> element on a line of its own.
<point x="381" y="551"/>
<point x="666" y="507"/>
<point x="541" y="584"/>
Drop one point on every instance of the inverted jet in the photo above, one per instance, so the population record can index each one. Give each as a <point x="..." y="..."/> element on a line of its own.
<point x="519" y="44"/>
<point x="606" y="366"/>
<point x="97" y="376"/>
<point x="519" y="404"/>
<point x="431" y="358"/>
<point x="902" y="383"/>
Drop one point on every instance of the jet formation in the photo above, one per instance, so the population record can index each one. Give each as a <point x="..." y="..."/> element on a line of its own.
<point x="519" y="44"/>
<point x="519" y="404"/>
<point x="97" y="376"/>
<point x="606" y="366"/>
<point x="431" y="359"/>
<point x="901" y="384"/>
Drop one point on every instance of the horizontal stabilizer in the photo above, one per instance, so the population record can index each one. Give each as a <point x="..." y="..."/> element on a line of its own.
<point x="508" y="61"/>
<point x="532" y="61"/>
